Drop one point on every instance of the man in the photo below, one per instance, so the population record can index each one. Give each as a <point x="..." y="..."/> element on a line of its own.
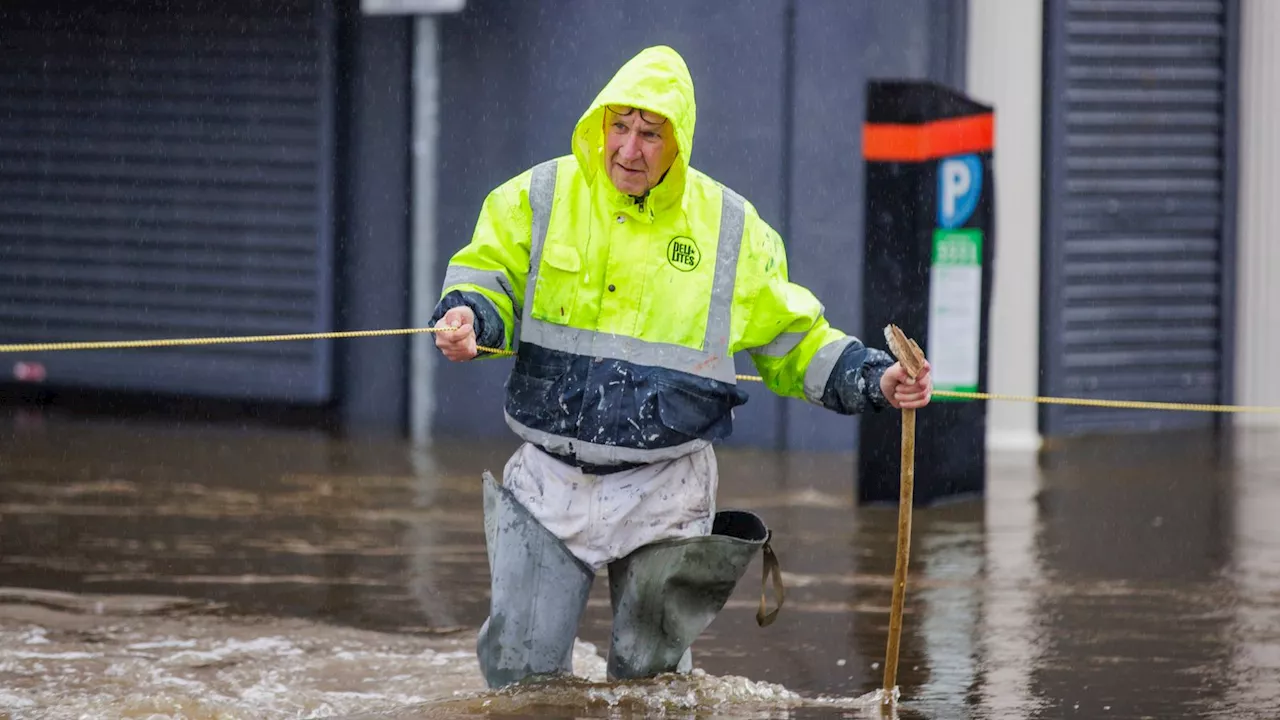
<point x="628" y="280"/>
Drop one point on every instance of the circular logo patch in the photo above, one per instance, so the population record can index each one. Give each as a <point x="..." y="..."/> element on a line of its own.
<point x="683" y="254"/>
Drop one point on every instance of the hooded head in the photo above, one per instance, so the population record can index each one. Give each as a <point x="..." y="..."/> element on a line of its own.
<point x="655" y="81"/>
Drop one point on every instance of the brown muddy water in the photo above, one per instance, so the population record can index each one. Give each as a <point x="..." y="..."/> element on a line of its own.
<point x="181" y="570"/>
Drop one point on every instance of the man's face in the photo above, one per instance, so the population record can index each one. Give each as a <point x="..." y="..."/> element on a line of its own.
<point x="639" y="148"/>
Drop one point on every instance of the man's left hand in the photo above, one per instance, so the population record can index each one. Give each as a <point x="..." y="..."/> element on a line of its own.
<point x="906" y="393"/>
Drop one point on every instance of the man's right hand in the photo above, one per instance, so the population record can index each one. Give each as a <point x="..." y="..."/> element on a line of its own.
<point x="457" y="345"/>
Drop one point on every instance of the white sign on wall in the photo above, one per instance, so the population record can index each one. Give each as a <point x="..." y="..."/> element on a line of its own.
<point x="955" y="293"/>
<point x="955" y="308"/>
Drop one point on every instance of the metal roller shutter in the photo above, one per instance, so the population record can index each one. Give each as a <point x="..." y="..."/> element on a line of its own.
<point x="165" y="171"/>
<point x="1137" y="208"/>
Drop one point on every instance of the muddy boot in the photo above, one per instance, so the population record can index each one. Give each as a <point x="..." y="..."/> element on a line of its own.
<point x="665" y="594"/>
<point x="539" y="590"/>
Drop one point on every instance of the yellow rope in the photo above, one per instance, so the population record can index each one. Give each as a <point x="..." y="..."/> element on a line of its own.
<point x="1122" y="404"/>
<point x="172" y="342"/>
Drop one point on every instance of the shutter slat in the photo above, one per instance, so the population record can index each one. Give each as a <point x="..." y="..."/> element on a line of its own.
<point x="1101" y="184"/>
<point x="1138" y="54"/>
<point x="38" y="128"/>
<point x="178" y="43"/>
<point x="1143" y="270"/>
<point x="140" y="323"/>
<point x="1120" y="118"/>
<point x="1136" y="313"/>
<point x="302" y="113"/>
<point x="1132" y="163"/>
<point x="1210" y="96"/>
<point x="158" y="193"/>
<point x="155" y="259"/>
<point x="1144" y="246"/>
<point x="77" y="62"/>
<point x="1161" y="76"/>
<point x="1166" y="385"/>
<point x="1080" y="290"/>
<point x="105" y="85"/>
<point x="1161" y="139"/>
<point x="1107" y="30"/>
<point x="175" y="216"/>
<point x="212" y="171"/>
<point x="1110" y="337"/>
<point x="1145" y="8"/>
<point x="1181" y="213"/>
<point x="72" y="236"/>
<point x="1105" y="361"/>
<point x="128" y="299"/>
<point x="231" y="280"/>
<point x="73" y="149"/>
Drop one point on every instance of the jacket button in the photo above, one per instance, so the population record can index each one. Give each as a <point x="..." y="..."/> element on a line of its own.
<point x="611" y="287"/>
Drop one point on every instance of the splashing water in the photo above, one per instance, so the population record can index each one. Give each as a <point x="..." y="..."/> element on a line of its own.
<point x="695" y="694"/>
<point x="57" y="664"/>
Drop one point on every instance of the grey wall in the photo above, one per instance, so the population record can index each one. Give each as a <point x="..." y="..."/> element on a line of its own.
<point x="780" y="89"/>
<point x="373" y="220"/>
<point x="838" y="46"/>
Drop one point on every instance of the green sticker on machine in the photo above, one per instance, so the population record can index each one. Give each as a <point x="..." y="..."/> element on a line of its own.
<point x="955" y="309"/>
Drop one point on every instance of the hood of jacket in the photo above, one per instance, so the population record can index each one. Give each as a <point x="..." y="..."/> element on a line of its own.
<point x="657" y="80"/>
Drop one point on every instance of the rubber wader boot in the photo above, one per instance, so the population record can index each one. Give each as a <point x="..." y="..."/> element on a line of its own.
<point x="665" y="594"/>
<point x="539" y="590"/>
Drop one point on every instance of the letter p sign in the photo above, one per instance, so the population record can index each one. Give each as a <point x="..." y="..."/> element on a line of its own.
<point x="959" y="187"/>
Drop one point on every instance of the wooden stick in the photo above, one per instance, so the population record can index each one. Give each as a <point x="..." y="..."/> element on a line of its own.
<point x="908" y="353"/>
<point x="904" y="552"/>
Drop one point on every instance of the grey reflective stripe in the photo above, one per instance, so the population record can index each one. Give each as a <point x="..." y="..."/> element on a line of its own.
<point x="515" y="302"/>
<point x="622" y="347"/>
<point x="781" y="345"/>
<point x="719" y="324"/>
<point x="542" y="192"/>
<point x="820" y="367"/>
<point x="596" y="454"/>
<point x="494" y="280"/>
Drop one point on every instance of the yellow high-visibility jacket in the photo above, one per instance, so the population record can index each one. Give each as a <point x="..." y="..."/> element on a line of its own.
<point x="626" y="312"/>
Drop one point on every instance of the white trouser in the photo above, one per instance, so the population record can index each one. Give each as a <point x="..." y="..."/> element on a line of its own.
<point x="601" y="518"/>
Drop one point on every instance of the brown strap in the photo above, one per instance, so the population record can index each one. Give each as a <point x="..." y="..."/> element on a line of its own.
<point x="771" y="565"/>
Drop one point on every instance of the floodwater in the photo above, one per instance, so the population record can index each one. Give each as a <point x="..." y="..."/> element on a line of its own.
<point x="161" y="569"/>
